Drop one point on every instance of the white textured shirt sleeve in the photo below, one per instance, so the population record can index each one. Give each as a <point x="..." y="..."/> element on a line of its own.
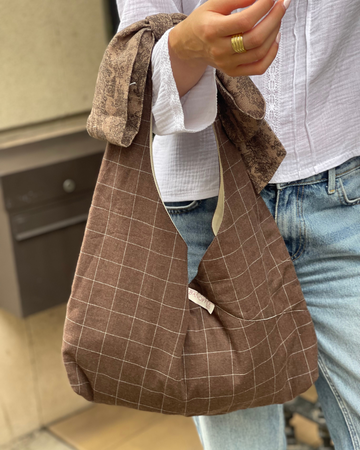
<point x="197" y="109"/>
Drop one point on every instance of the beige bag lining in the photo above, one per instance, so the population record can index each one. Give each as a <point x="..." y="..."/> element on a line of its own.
<point x="219" y="212"/>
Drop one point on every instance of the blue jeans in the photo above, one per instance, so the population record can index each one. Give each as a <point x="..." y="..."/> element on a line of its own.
<point x="319" y="219"/>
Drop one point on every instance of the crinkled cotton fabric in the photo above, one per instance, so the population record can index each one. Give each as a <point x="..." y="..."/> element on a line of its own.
<point x="311" y="92"/>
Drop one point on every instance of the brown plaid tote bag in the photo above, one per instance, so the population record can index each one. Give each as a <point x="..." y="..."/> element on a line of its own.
<point x="136" y="334"/>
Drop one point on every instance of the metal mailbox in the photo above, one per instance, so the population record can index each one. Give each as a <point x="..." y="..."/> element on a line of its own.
<point x="42" y="221"/>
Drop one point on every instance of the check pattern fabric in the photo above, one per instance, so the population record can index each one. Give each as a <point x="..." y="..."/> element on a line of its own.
<point x="133" y="338"/>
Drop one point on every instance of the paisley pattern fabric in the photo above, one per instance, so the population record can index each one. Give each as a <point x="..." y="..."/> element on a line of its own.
<point x="119" y="96"/>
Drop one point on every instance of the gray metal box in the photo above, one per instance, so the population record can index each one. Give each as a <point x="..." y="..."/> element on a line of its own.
<point x="43" y="211"/>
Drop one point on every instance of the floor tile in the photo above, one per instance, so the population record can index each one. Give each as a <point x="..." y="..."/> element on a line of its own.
<point x="306" y="431"/>
<point x="103" y="427"/>
<point x="56" y="399"/>
<point x="172" y="432"/>
<point x="40" y="440"/>
<point x="18" y="394"/>
<point x="114" y="427"/>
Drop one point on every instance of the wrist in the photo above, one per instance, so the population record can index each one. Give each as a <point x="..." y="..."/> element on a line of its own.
<point x="181" y="51"/>
<point x="187" y="71"/>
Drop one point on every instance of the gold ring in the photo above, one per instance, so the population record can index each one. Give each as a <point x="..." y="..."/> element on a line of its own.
<point x="238" y="44"/>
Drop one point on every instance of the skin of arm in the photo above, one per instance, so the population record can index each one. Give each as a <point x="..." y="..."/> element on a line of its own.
<point x="186" y="72"/>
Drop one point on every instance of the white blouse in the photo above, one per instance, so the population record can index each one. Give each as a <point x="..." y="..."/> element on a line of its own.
<point x="312" y="91"/>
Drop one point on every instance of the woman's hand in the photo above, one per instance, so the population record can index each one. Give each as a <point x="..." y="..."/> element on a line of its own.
<point x="204" y="38"/>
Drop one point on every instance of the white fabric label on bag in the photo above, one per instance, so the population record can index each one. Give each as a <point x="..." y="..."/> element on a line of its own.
<point x="200" y="300"/>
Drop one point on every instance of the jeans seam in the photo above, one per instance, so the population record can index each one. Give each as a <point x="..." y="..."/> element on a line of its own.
<point x="281" y="432"/>
<point x="348" y="171"/>
<point x="343" y="196"/>
<point x="342" y="406"/>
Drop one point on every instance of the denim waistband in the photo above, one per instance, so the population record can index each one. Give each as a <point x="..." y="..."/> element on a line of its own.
<point x="328" y="175"/>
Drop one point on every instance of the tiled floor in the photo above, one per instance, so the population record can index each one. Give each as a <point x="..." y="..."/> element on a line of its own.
<point x="113" y="428"/>
<point x="40" y="440"/>
<point x="305" y="430"/>
<point x="102" y="427"/>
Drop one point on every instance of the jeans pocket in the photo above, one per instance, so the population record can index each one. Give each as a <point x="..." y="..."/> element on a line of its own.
<point x="182" y="207"/>
<point x="349" y="185"/>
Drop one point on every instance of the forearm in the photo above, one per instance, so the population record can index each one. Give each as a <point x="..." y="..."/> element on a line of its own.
<point x="186" y="71"/>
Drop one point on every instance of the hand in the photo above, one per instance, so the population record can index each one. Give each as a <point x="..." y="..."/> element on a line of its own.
<point x="204" y="37"/>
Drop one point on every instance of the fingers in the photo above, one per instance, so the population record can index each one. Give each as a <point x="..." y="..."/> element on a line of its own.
<point x="245" y="20"/>
<point x="258" y="53"/>
<point x="258" y="42"/>
<point x="258" y="67"/>
<point x="256" y="37"/>
<point x="204" y="37"/>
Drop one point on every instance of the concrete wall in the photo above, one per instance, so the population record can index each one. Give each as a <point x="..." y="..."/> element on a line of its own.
<point x="49" y="58"/>
<point x="50" y="53"/>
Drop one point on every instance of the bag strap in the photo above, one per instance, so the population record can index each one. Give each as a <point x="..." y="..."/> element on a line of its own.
<point x="119" y="99"/>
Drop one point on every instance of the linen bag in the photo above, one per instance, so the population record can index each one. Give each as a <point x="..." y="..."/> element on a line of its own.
<point x="136" y="335"/>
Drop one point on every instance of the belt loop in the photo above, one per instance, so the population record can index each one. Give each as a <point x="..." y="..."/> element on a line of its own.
<point x="331" y="181"/>
<point x="278" y="190"/>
